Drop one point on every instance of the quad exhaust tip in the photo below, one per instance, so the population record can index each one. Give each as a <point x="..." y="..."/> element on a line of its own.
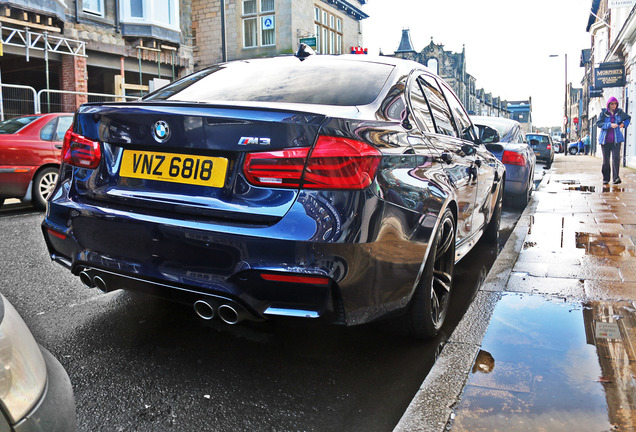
<point x="228" y="314"/>
<point x="203" y="310"/>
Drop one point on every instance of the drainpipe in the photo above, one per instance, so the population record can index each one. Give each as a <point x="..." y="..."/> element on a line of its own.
<point x="223" y="49"/>
<point x="116" y="16"/>
<point x="76" y="11"/>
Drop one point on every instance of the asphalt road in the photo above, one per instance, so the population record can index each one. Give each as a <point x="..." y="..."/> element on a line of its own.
<point x="138" y="363"/>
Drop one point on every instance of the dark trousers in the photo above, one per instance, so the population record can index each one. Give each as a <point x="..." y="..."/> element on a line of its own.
<point x="613" y="151"/>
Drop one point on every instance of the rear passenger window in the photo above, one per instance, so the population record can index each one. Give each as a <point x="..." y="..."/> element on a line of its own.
<point x="46" y="133"/>
<point x="439" y="108"/>
<point x="421" y="111"/>
<point x="462" y="121"/>
<point x="63" y="125"/>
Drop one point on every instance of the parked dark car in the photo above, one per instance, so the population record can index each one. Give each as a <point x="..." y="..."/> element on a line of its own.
<point x="338" y="188"/>
<point x="35" y="391"/>
<point x="542" y="145"/>
<point x="505" y="139"/>
<point x="30" y="156"/>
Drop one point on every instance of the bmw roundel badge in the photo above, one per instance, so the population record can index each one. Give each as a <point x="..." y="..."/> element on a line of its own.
<point x="161" y="131"/>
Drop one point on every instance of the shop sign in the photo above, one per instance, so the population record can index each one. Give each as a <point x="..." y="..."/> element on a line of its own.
<point x="609" y="75"/>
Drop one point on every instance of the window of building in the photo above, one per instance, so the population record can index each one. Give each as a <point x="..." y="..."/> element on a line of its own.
<point x="432" y="65"/>
<point x="328" y="30"/>
<point x="259" y="24"/>
<point x="267" y="5"/>
<point x="93" y="6"/>
<point x="163" y="13"/>
<point x="268" y="35"/>
<point x="250" y="31"/>
<point x="249" y="7"/>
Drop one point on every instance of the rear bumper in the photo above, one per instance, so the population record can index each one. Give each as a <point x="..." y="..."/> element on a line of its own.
<point x="517" y="179"/>
<point x="15" y="180"/>
<point x="188" y="261"/>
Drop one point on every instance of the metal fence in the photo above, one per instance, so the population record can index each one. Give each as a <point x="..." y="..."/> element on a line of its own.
<point x="60" y="101"/>
<point x="18" y="100"/>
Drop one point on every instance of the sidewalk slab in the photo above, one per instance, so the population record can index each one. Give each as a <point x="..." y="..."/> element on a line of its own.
<point x="565" y="280"/>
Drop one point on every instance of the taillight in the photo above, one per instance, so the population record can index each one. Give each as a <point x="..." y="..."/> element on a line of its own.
<point x="334" y="163"/>
<point x="512" y="158"/>
<point x="293" y="278"/>
<point x="548" y="146"/>
<point x="80" y="151"/>
<point x="283" y="168"/>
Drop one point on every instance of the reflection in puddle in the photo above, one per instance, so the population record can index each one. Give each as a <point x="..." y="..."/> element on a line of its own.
<point x="554" y="366"/>
<point x="583" y="188"/>
<point x="608" y="188"/>
<point x="605" y="244"/>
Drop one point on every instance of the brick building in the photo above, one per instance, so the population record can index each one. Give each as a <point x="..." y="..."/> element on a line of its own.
<point x="226" y="30"/>
<point x="83" y="45"/>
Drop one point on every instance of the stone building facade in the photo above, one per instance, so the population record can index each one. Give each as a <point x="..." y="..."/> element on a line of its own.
<point x="225" y="30"/>
<point x="139" y="39"/>
<point x="451" y="67"/>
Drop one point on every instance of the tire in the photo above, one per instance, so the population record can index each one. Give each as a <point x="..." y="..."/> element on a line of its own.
<point x="573" y="151"/>
<point x="521" y="201"/>
<point x="491" y="234"/>
<point x="428" y="307"/>
<point x="1" y="201"/>
<point x="43" y="185"/>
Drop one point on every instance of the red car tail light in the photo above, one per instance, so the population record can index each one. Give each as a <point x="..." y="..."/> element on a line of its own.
<point x="549" y="146"/>
<point x="311" y="280"/>
<point x="341" y="163"/>
<point x="334" y="163"/>
<point x="80" y="151"/>
<point x="512" y="158"/>
<point x="283" y="168"/>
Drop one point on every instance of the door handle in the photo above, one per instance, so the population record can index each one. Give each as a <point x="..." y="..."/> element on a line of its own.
<point x="58" y="146"/>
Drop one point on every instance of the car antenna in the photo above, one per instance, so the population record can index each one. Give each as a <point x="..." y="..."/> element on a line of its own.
<point x="304" y="51"/>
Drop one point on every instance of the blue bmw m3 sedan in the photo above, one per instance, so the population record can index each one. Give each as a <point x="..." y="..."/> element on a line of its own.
<point x="333" y="188"/>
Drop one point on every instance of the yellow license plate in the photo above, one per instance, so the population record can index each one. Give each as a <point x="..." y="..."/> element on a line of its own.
<point x="173" y="167"/>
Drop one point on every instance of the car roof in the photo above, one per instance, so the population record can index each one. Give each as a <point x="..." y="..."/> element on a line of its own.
<point x="486" y="120"/>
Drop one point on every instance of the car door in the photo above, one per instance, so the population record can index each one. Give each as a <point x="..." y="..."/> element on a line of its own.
<point x="484" y="165"/>
<point x="458" y="165"/>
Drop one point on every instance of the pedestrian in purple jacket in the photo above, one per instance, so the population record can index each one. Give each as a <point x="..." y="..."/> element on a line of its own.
<point x="612" y="122"/>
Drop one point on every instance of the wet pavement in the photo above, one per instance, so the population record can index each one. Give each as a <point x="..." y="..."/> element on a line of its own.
<point x="549" y="343"/>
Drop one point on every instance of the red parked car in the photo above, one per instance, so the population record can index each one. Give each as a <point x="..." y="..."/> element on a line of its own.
<point x="30" y="150"/>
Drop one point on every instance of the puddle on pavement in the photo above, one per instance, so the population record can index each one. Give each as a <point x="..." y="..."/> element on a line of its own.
<point x="549" y="365"/>
<point x="605" y="244"/>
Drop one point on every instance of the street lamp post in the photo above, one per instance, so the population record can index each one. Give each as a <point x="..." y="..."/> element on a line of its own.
<point x="566" y="117"/>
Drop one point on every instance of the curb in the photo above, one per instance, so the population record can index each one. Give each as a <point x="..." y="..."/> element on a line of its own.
<point x="433" y="404"/>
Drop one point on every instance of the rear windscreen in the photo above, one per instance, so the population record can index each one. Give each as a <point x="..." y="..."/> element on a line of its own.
<point x="541" y="138"/>
<point x="13" y="125"/>
<point x="316" y="80"/>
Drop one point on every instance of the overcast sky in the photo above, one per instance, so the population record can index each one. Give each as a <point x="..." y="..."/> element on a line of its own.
<point x="508" y="43"/>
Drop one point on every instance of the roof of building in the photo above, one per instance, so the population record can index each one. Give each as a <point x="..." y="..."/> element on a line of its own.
<point x="348" y="8"/>
<point x="405" y="43"/>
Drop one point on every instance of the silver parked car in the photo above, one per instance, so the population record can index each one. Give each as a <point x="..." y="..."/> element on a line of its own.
<point x="35" y="391"/>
